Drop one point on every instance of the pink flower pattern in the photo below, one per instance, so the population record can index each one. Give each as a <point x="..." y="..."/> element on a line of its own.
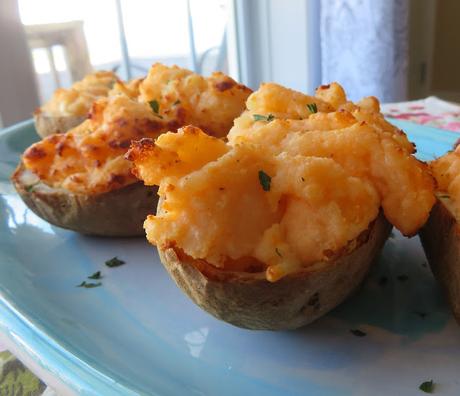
<point x="420" y="114"/>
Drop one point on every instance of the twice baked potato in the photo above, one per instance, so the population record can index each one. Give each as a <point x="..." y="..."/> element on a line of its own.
<point x="82" y="180"/>
<point x="116" y="213"/>
<point x="440" y="238"/>
<point x="277" y="226"/>
<point x="69" y="107"/>
<point x="440" y="235"/>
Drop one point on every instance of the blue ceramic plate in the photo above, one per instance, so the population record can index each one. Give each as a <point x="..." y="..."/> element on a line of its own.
<point x="138" y="334"/>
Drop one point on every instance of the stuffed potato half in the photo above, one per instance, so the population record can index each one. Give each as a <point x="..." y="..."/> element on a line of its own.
<point x="81" y="181"/>
<point x="441" y="234"/>
<point x="249" y="300"/>
<point x="278" y="225"/>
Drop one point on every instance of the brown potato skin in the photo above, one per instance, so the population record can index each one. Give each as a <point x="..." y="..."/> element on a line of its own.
<point x="46" y="125"/>
<point x="248" y="300"/>
<point x="440" y="238"/>
<point x="118" y="213"/>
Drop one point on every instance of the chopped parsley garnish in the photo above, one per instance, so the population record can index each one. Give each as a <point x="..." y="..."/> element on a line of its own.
<point x="155" y="106"/>
<point x="383" y="280"/>
<point x="314" y="300"/>
<point x="114" y="262"/>
<point x="96" y="275"/>
<point x="312" y="107"/>
<point x="264" y="180"/>
<point x="358" y="333"/>
<point x="30" y="187"/>
<point x="427" y="386"/>
<point x="176" y="102"/>
<point x="278" y="252"/>
<point x="113" y="82"/>
<point x="88" y="285"/>
<point x="260" y="117"/>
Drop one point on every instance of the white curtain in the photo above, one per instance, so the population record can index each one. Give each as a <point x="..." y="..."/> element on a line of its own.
<point x="364" y="46"/>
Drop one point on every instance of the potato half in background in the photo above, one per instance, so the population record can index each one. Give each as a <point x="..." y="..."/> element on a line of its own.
<point x="80" y="180"/>
<point x="279" y="225"/>
<point x="441" y="234"/>
<point x="68" y="108"/>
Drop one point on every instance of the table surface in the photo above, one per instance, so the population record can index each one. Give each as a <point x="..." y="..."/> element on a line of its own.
<point x="431" y="111"/>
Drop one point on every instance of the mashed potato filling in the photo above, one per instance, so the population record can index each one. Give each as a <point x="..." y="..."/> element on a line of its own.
<point x="210" y="103"/>
<point x="77" y="100"/>
<point x="215" y="206"/>
<point x="299" y="179"/>
<point x="359" y="139"/>
<point x="89" y="159"/>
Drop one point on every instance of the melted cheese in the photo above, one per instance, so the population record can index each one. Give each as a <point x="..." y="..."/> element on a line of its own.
<point x="210" y="103"/>
<point x="90" y="158"/>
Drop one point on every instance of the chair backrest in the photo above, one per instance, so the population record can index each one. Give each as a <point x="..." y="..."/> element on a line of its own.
<point x="71" y="37"/>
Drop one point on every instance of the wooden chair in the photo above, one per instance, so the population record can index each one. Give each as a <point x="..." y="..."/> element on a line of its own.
<point x="71" y="37"/>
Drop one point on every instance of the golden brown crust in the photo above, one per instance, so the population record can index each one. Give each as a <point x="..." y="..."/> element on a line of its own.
<point x="120" y="212"/>
<point x="46" y="125"/>
<point x="440" y="238"/>
<point x="248" y="300"/>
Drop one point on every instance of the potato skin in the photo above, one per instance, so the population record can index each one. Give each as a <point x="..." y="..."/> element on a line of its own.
<point x="46" y="125"/>
<point x="119" y="213"/>
<point x="440" y="238"/>
<point x="248" y="300"/>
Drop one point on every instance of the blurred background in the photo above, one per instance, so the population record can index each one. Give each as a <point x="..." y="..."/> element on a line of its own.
<point x="393" y="49"/>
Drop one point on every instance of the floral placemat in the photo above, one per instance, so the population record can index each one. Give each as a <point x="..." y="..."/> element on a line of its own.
<point x="17" y="380"/>
<point x="431" y="111"/>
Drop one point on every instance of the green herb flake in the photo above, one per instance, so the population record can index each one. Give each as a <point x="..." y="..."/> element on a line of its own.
<point x="427" y="386"/>
<point x="383" y="280"/>
<point x="96" y="275"/>
<point x="278" y="252"/>
<point x="114" y="262"/>
<point x="264" y="180"/>
<point x="358" y="333"/>
<point x="155" y="106"/>
<point x="443" y="196"/>
<point x="260" y="117"/>
<point x="312" y="107"/>
<point x="89" y="285"/>
<point x="30" y="187"/>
